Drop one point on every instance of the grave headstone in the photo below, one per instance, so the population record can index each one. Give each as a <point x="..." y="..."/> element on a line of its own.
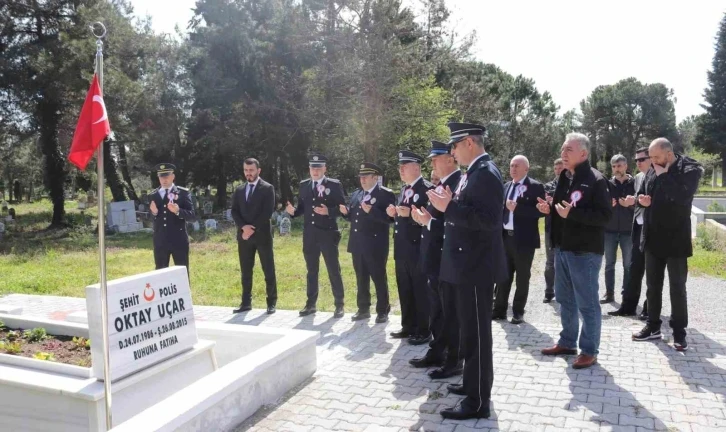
<point x="121" y="217"/>
<point x="285" y="226"/>
<point x="207" y="208"/>
<point x="228" y="215"/>
<point x="195" y="226"/>
<point x="210" y="224"/>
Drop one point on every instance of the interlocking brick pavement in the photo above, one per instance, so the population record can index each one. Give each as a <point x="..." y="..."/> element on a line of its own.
<point x="364" y="382"/>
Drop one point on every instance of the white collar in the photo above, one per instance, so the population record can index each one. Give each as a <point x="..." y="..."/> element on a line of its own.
<point x="415" y="181"/>
<point x="254" y="183"/>
<point x="443" y="180"/>
<point x="476" y="159"/>
<point x="169" y="188"/>
<point x="371" y="189"/>
<point x="519" y="182"/>
<point x="322" y="179"/>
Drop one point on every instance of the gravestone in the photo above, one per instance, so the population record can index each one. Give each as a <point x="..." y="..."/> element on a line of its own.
<point x="228" y="215"/>
<point x="210" y="224"/>
<point x="121" y="217"/>
<point x="285" y="225"/>
<point x="195" y="226"/>
<point x="207" y="208"/>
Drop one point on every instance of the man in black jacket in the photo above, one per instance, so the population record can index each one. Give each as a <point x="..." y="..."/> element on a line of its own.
<point x="252" y="207"/>
<point x="521" y="237"/>
<point x="319" y="200"/>
<point x="581" y="207"/>
<point x="618" y="229"/>
<point x="410" y="278"/>
<point x="473" y="261"/>
<point x="549" y="272"/>
<point x="667" y="195"/>
<point x="444" y="348"/>
<point x="368" y="242"/>
<point x="172" y="207"/>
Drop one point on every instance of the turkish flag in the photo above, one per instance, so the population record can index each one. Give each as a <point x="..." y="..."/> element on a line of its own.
<point x="92" y="127"/>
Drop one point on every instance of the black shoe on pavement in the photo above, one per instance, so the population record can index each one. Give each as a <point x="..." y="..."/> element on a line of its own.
<point x="457" y="389"/>
<point x="620" y="312"/>
<point x="381" y="318"/>
<point x="517" y="318"/>
<point x="242" y="308"/>
<point x="308" y="310"/>
<point x="680" y="344"/>
<point x="647" y="334"/>
<point x="425" y="362"/>
<point x="643" y="316"/>
<point x="360" y="315"/>
<point x="461" y="413"/>
<point x="401" y="334"/>
<point x="419" y="339"/>
<point x="446" y="372"/>
<point x="339" y="312"/>
<point x="607" y="298"/>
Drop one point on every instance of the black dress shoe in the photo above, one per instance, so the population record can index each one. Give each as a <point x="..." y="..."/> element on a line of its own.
<point x="446" y="372"/>
<point x="457" y="389"/>
<point x="242" y="308"/>
<point x="401" y="334"/>
<point x="620" y="312"/>
<point x="381" y="318"/>
<point x="424" y="362"/>
<point x="308" y="310"/>
<point x="462" y="413"/>
<point x="271" y="309"/>
<point x="517" y="319"/>
<point x="499" y="317"/>
<point x="607" y="298"/>
<point x="360" y="315"/>
<point x="547" y="300"/>
<point x="643" y="316"/>
<point x="419" y="340"/>
<point x="339" y="312"/>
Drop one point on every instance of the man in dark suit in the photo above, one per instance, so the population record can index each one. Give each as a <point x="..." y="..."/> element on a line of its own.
<point x="549" y="272"/>
<point x="473" y="261"/>
<point x="521" y="237"/>
<point x="171" y="206"/>
<point x="410" y="278"/>
<point x="252" y="207"/>
<point x="319" y="200"/>
<point x="444" y="348"/>
<point x="368" y="242"/>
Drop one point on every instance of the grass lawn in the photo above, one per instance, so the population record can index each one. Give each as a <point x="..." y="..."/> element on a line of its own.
<point x="64" y="262"/>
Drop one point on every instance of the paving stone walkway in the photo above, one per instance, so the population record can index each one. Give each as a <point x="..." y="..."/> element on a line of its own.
<point x="364" y="382"/>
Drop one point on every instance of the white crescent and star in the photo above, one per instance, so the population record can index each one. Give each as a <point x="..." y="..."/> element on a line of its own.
<point x="99" y="99"/>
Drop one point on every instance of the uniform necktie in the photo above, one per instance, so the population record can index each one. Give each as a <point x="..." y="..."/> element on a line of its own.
<point x="315" y="186"/>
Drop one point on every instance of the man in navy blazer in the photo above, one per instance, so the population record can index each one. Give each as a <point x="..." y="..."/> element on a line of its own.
<point x="520" y="229"/>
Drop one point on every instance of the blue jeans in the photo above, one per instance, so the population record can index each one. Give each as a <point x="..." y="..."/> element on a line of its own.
<point x="612" y="240"/>
<point x="576" y="289"/>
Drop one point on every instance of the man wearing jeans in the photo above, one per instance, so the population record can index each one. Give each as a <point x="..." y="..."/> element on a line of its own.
<point x="667" y="195"/>
<point x="549" y="272"/>
<point x="618" y="230"/>
<point x="580" y="209"/>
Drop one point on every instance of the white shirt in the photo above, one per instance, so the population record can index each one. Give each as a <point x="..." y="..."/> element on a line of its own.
<point x="415" y="181"/>
<point x="509" y="224"/>
<point x="247" y="187"/>
<point x="162" y="191"/>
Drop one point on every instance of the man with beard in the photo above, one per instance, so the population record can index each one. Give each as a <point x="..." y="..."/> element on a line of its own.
<point x="319" y="200"/>
<point x="410" y="278"/>
<point x="252" y="207"/>
<point x="473" y="261"/>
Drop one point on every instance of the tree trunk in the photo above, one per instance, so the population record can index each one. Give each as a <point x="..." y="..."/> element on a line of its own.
<point x="124" y="166"/>
<point x="286" y="191"/>
<point x="723" y="167"/>
<point x="54" y="174"/>
<point x="113" y="180"/>
<point x="221" y="183"/>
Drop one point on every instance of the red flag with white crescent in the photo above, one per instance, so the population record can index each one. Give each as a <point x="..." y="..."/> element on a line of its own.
<point x="92" y="128"/>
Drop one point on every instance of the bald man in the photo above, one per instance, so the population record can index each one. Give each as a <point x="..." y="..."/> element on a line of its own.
<point x="520" y="230"/>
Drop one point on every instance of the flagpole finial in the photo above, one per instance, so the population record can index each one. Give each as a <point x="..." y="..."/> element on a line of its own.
<point x="96" y="26"/>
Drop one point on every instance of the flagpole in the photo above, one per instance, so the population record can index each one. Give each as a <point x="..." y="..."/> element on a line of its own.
<point x="102" y="236"/>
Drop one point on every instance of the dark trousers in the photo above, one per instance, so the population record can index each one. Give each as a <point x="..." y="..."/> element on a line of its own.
<point x="247" y="250"/>
<point x="475" y="315"/>
<point x="372" y="266"/>
<point x="631" y="298"/>
<point x="413" y="292"/>
<point x="180" y="253"/>
<point x="444" y="323"/>
<point x="549" y="272"/>
<point x="325" y="243"/>
<point x="519" y="261"/>
<point x="677" y="274"/>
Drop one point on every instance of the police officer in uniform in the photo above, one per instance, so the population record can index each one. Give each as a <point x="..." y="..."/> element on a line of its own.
<point x="444" y="348"/>
<point x="473" y="261"/>
<point x="171" y="206"/>
<point x="369" y="240"/>
<point x="410" y="278"/>
<point x="319" y="201"/>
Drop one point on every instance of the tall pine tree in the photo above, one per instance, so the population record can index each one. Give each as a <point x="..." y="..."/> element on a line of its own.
<point x="712" y="125"/>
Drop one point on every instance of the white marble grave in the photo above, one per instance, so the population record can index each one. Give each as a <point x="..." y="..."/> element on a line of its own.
<point x="121" y="216"/>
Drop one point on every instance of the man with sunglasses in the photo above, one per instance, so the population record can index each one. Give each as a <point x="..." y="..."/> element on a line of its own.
<point x="631" y="297"/>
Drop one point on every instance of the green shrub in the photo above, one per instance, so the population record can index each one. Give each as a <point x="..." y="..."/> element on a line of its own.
<point x="11" y="347"/>
<point x="13" y="335"/>
<point x="44" y="356"/>
<point x="36" y="335"/>
<point x="710" y="238"/>
<point x="715" y="207"/>
<point x="81" y="343"/>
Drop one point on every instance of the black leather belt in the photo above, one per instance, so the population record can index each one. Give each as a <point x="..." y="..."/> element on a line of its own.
<point x="509" y="232"/>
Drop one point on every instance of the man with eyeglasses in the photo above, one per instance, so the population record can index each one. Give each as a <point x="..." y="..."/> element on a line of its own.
<point x="631" y="297"/>
<point x="620" y="226"/>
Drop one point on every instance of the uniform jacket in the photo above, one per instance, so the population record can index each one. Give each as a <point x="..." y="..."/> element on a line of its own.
<point x="667" y="221"/>
<point x="622" y="219"/>
<point x="406" y="232"/>
<point x="584" y="228"/>
<point x="170" y="229"/>
<point x="369" y="232"/>
<point x="432" y="240"/>
<point x="329" y="193"/>
<point x="526" y="216"/>
<point x="473" y="245"/>
<point x="256" y="212"/>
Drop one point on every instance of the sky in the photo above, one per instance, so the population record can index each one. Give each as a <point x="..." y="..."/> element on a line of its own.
<point x="570" y="47"/>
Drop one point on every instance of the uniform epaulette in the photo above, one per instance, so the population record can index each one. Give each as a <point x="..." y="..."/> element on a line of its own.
<point x="183" y="188"/>
<point x="155" y="191"/>
<point x="305" y="181"/>
<point x="428" y="184"/>
<point x="332" y="180"/>
<point x="386" y="189"/>
<point x="483" y="164"/>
